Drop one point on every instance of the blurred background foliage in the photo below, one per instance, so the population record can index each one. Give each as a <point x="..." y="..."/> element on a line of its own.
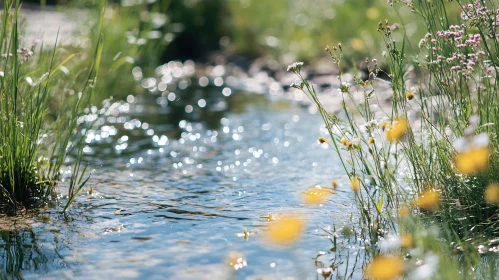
<point x="147" y="33"/>
<point x="286" y="30"/>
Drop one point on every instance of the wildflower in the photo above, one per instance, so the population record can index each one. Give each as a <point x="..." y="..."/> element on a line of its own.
<point x="370" y="140"/>
<point x="472" y="160"/>
<point x="345" y="87"/>
<point x="295" y="67"/>
<point x="269" y="217"/>
<point x="492" y="193"/>
<point x="428" y="200"/>
<point x="428" y="269"/>
<point x="285" y="231"/>
<point x="245" y="234"/>
<point x="355" y="183"/>
<point x="385" y="268"/>
<point x="315" y="195"/>
<point x="410" y="95"/>
<point x="297" y="84"/>
<point x="334" y="184"/>
<point x="383" y="125"/>
<point x="322" y="140"/>
<point x="325" y="272"/>
<point x="344" y="141"/>
<point x="397" y="130"/>
<point x="27" y="53"/>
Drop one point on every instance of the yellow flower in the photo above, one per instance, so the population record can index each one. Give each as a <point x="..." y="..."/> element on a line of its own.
<point x="349" y="144"/>
<point x="334" y="184"/>
<point x="285" y="231"/>
<point x="385" y="268"/>
<point x="397" y="130"/>
<point x="428" y="200"/>
<point x="409" y="95"/>
<point x="406" y="241"/>
<point x="492" y="193"/>
<point x="473" y="160"/>
<point x="322" y="140"/>
<point x="370" y="140"/>
<point x="315" y="195"/>
<point x="344" y="141"/>
<point x="355" y="183"/>
<point x="384" y="125"/>
<point x="404" y="211"/>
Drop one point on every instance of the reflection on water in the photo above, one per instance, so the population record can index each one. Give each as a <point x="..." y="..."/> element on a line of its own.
<point x="179" y="173"/>
<point x="23" y="250"/>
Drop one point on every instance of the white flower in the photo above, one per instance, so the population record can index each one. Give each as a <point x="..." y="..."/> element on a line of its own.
<point x="389" y="243"/>
<point x="295" y="67"/>
<point x="427" y="269"/>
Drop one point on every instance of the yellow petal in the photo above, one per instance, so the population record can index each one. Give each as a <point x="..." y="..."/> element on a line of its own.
<point x="322" y="140"/>
<point x="397" y="130"/>
<point x="355" y="183"/>
<point x="492" y="193"/>
<point x="428" y="200"/>
<point x="285" y="231"/>
<point x="472" y="160"/>
<point x="385" y="268"/>
<point x="315" y="195"/>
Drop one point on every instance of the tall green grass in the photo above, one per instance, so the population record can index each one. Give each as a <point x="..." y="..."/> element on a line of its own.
<point x="137" y="35"/>
<point x="34" y="142"/>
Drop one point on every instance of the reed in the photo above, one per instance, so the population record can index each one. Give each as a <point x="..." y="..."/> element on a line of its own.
<point x="35" y="138"/>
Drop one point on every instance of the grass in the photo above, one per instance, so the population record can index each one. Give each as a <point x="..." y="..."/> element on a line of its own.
<point x="137" y="35"/>
<point x="295" y="30"/>
<point x="34" y="144"/>
<point x="425" y="166"/>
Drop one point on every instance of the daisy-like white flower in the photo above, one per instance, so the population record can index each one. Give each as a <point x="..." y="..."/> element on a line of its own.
<point x="295" y="67"/>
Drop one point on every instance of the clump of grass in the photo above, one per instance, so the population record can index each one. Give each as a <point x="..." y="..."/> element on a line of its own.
<point x="34" y="144"/>
<point x="429" y="156"/>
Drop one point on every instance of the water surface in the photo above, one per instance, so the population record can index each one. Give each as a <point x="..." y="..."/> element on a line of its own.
<point x="177" y="177"/>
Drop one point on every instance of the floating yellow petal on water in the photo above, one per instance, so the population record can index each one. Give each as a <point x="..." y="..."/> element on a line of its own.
<point x="428" y="200"/>
<point x="472" y="160"/>
<point x="492" y="193"/>
<point x="285" y="231"/>
<point x="397" y="130"/>
<point x="315" y="195"/>
<point x="385" y="268"/>
<point x="354" y="181"/>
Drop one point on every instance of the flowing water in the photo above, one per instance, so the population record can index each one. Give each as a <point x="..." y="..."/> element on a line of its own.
<point x="177" y="177"/>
